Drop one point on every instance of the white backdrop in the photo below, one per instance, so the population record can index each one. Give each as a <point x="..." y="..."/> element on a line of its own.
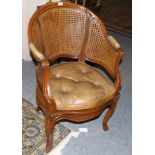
<point x="28" y="8"/>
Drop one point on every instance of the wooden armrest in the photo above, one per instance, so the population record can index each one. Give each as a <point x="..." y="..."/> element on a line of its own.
<point x="46" y="81"/>
<point x="120" y="53"/>
<point x="36" y="54"/>
<point x="113" y="42"/>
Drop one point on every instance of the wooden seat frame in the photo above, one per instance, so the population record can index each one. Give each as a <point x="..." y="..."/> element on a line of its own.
<point x="46" y="102"/>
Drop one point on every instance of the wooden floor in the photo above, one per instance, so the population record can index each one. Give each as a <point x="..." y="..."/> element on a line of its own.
<point x="116" y="14"/>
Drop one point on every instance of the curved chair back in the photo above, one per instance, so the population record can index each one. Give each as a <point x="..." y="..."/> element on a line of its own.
<point x="70" y="30"/>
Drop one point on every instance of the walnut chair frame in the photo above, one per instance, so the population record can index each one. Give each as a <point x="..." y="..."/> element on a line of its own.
<point x="94" y="45"/>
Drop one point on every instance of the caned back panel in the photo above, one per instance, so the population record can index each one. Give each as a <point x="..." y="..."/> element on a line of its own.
<point x="71" y="30"/>
<point x="98" y="48"/>
<point x="36" y="36"/>
<point x="63" y="31"/>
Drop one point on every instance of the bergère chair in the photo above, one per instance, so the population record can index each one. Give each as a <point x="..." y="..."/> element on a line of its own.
<point x="73" y="91"/>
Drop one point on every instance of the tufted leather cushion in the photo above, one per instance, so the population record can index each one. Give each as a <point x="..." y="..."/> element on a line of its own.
<point x="77" y="86"/>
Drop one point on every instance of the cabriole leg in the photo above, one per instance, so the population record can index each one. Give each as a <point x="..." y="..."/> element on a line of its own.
<point x="109" y="114"/>
<point x="49" y="126"/>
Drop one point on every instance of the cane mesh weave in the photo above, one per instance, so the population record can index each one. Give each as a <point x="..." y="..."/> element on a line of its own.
<point x="63" y="31"/>
<point x="98" y="48"/>
<point x="37" y="36"/>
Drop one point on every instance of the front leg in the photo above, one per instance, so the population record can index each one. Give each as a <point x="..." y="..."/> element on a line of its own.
<point x="49" y="126"/>
<point x="110" y="112"/>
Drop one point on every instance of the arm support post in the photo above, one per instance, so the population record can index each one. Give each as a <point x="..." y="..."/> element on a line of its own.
<point x="46" y="87"/>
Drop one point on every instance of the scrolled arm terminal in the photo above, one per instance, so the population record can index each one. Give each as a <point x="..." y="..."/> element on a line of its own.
<point x="36" y="53"/>
<point x="113" y="42"/>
